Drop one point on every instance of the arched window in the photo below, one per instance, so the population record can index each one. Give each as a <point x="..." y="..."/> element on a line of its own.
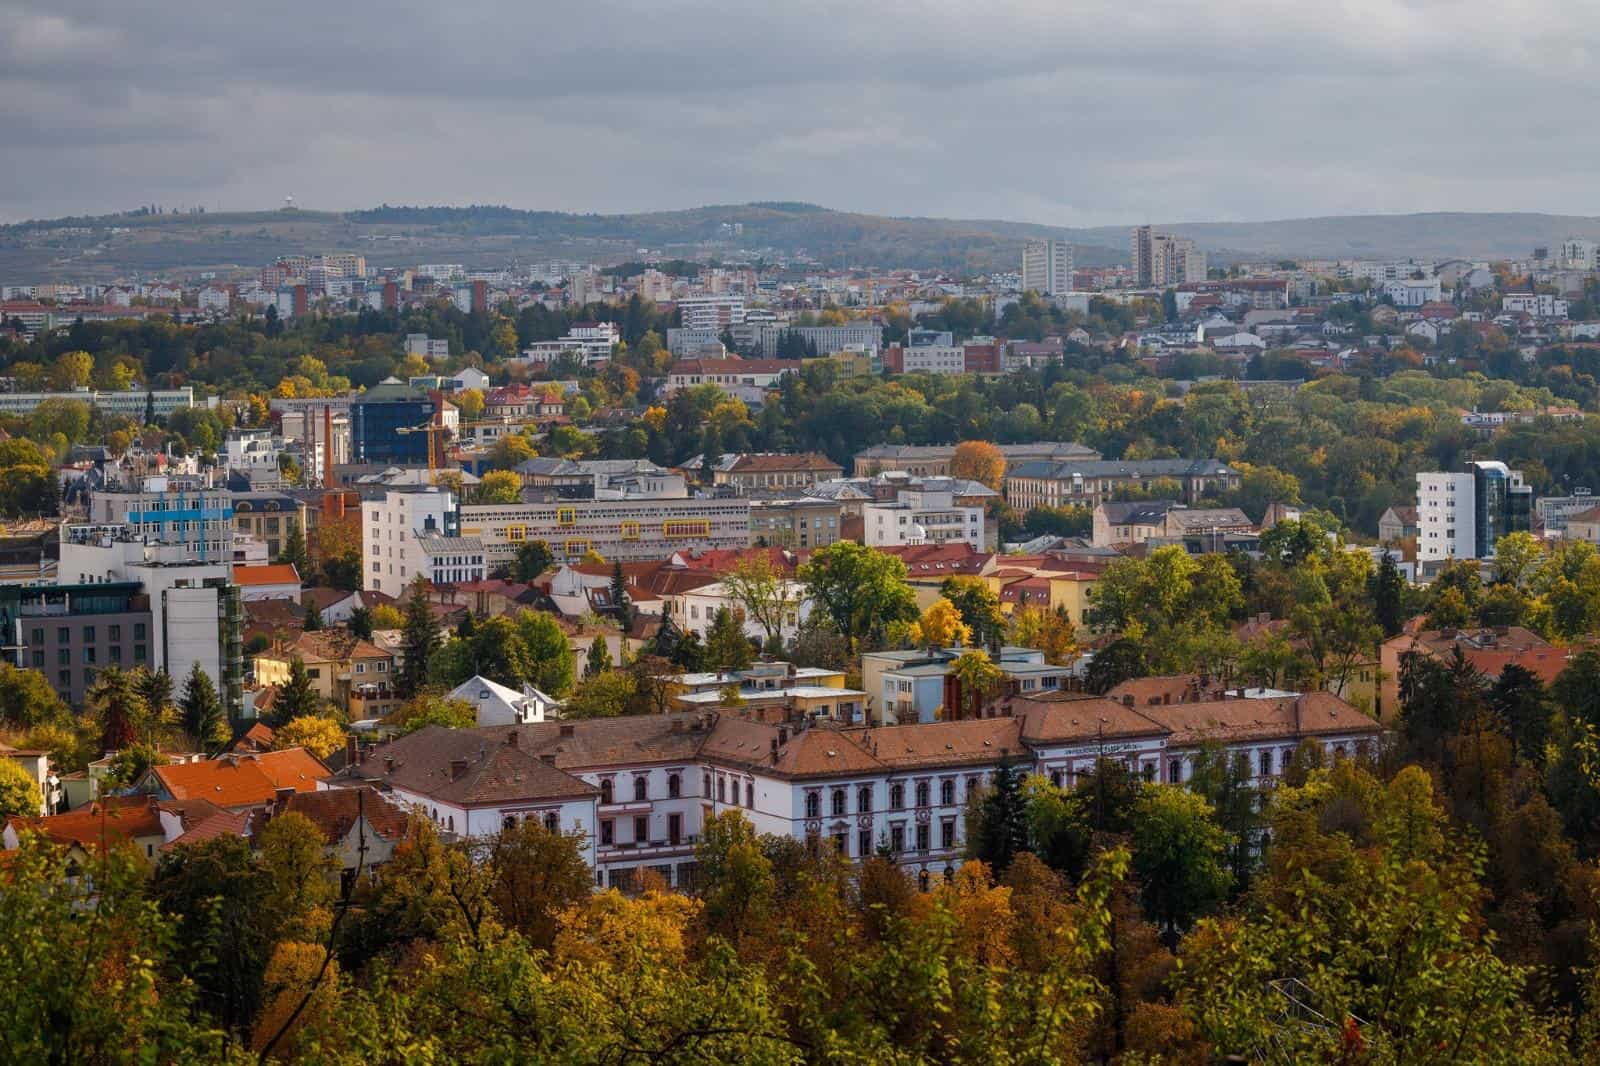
<point x="897" y="797"/>
<point x="707" y="792"/>
<point x="922" y="793"/>
<point x="605" y="790"/>
<point x="722" y="789"/>
<point x="813" y="805"/>
<point x="947" y="793"/>
<point x="641" y="790"/>
<point x="1055" y="778"/>
<point x="551" y="821"/>
<point x="838" y="803"/>
<point x="864" y="799"/>
<point x="674" y="786"/>
<point x="452" y="825"/>
<point x="750" y="794"/>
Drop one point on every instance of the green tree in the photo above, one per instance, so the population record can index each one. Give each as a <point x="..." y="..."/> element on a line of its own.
<point x="550" y="655"/>
<point x="1388" y="593"/>
<point x="598" y="661"/>
<point x="202" y="712"/>
<point x="27" y="700"/>
<point x="1180" y="856"/>
<point x="1119" y="661"/>
<point x="313" y="619"/>
<point x="533" y="558"/>
<point x="360" y="623"/>
<point x="605" y="695"/>
<point x="863" y="591"/>
<point x="1518" y="700"/>
<point x="769" y="598"/>
<point x="620" y="603"/>
<point x="294" y="552"/>
<point x="727" y="648"/>
<point x="998" y="823"/>
<point x="979" y="608"/>
<point x="419" y="639"/>
<point x="297" y="696"/>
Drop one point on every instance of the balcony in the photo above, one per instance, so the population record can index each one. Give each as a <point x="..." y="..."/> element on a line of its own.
<point x="652" y="850"/>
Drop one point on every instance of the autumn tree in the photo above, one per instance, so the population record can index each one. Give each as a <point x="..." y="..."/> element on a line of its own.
<point x="861" y="590"/>
<point x="981" y="461"/>
<point x="770" y="598"/>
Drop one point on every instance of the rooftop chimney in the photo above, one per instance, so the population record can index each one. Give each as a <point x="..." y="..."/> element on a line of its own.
<point x="783" y="735"/>
<point x="1127" y="701"/>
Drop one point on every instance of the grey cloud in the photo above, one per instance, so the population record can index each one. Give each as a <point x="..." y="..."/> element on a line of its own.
<point x="1086" y="113"/>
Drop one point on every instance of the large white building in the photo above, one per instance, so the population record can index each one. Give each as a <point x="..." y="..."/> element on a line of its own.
<point x="1461" y="516"/>
<point x="591" y="342"/>
<point x="638" y="789"/>
<point x="711" y="312"/>
<point x="1047" y="267"/>
<point x="920" y="516"/>
<point x="696" y="609"/>
<point x="1164" y="259"/>
<point x="934" y="359"/>
<point x="124" y="402"/>
<point x="1413" y="292"/>
<point x="391" y="552"/>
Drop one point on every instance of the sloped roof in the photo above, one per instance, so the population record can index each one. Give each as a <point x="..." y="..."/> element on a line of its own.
<point x="335" y="811"/>
<point x="1227" y="721"/>
<point x="107" y="822"/>
<point x="235" y="780"/>
<point x="468" y="767"/>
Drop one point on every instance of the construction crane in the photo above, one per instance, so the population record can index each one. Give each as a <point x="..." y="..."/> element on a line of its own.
<point x="438" y="436"/>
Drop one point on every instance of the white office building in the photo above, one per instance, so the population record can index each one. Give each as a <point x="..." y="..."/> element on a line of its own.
<point x="1047" y="267"/>
<point x="711" y="312"/>
<point x="921" y="516"/>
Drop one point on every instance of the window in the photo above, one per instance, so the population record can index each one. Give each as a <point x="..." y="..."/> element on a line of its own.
<point x="864" y="799"/>
<point x="864" y="843"/>
<point x="508" y="823"/>
<point x="88" y="634"/>
<point x="922" y="793"/>
<point x="707" y="783"/>
<point x="922" y="836"/>
<point x="606" y="832"/>
<point x="813" y="805"/>
<point x="1175" y="771"/>
<point x="674" y="828"/>
<point x="641" y="790"/>
<point x="64" y="678"/>
<point x="841" y="843"/>
<point x="947" y="833"/>
<point x="838" y="803"/>
<point x="552" y="821"/>
<point x="947" y="793"/>
<point x="897" y="797"/>
<point x="605" y="790"/>
<point x="566" y="516"/>
<point x="63" y="635"/>
<point x="897" y="838"/>
<point x="722" y="789"/>
<point x="116" y="633"/>
<point x="63" y="656"/>
<point x="38" y="658"/>
<point x="750" y="794"/>
<point x="138" y="653"/>
<point x="116" y="653"/>
<point x="641" y="830"/>
<point x="1266" y="763"/>
<point x="674" y="786"/>
<point x="88" y="655"/>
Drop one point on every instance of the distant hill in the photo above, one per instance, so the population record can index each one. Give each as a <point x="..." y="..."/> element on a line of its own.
<point x="103" y="247"/>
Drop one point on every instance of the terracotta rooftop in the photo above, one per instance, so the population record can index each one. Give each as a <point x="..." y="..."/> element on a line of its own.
<point x="335" y="811"/>
<point x="108" y="822"/>
<point x="1311" y="714"/>
<point x="467" y="767"/>
<point x="242" y="780"/>
<point x="273" y="574"/>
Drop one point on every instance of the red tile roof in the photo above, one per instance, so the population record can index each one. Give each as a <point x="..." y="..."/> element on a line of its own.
<point x="274" y="574"/>
<point x="242" y="780"/>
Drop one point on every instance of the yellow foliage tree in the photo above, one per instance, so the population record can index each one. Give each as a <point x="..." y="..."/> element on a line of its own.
<point x="318" y="735"/>
<point x="980" y="461"/>
<point x="940" y="626"/>
<point x="470" y="401"/>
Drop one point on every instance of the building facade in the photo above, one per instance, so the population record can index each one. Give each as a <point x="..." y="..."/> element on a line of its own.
<point x="1047" y="267"/>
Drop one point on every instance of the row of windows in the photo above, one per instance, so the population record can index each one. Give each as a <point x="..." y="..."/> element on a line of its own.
<point x="838" y="802"/>
<point x="921" y="839"/>
<point x="64" y="634"/>
<point x="641" y="788"/>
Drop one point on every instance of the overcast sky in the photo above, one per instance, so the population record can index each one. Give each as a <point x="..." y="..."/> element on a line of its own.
<point x="1080" y="113"/>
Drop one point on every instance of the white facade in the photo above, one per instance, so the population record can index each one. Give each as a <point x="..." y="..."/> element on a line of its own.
<point x="1413" y="292"/>
<point x="127" y="402"/>
<point x="391" y="558"/>
<point x="497" y="704"/>
<point x="711" y="312"/>
<point x="1445" y="520"/>
<point x="1047" y="267"/>
<point x="920" y="517"/>
<point x="697" y="609"/>
<point x="215" y="300"/>
<point x="1540" y="305"/>
<point x="935" y="359"/>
